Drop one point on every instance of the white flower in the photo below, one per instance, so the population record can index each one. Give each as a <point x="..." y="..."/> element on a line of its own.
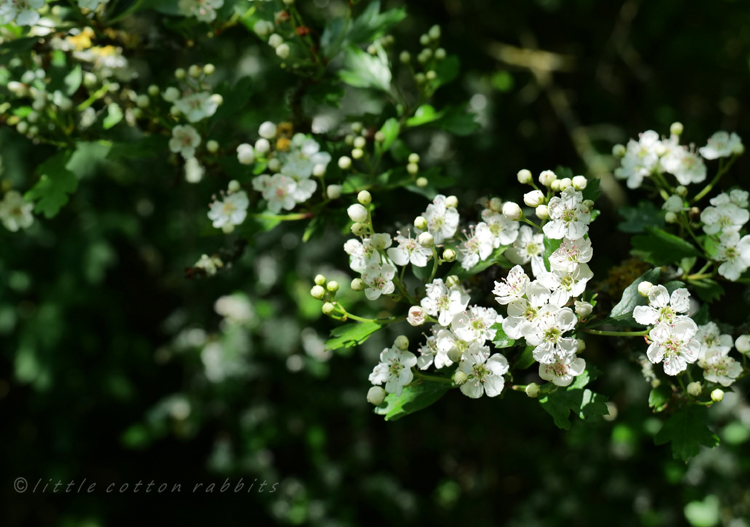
<point x="661" y="307"/>
<point x="194" y="171"/>
<point x="184" y="141"/>
<point x="735" y="253"/>
<point x="565" y="284"/>
<point x="366" y="253"/>
<point x="562" y="371"/>
<point x="571" y="254"/>
<point x="475" y="324"/>
<point x="726" y="217"/>
<point x="513" y="286"/>
<point x="547" y="335"/>
<point x="267" y="130"/>
<point x="232" y="210"/>
<point x="674" y="203"/>
<point x="203" y="10"/>
<point x="721" y="144"/>
<point x="416" y="316"/>
<point x="442" y="221"/>
<point x="523" y="313"/>
<point x="674" y="344"/>
<point x="394" y="370"/>
<point x="720" y="368"/>
<point x="569" y="218"/>
<point x="278" y="191"/>
<point x="710" y="338"/>
<point x="528" y="247"/>
<point x="477" y="246"/>
<point x="485" y="372"/>
<point x="451" y="345"/>
<point x="15" y="211"/>
<point x="22" y="11"/>
<point x="583" y="309"/>
<point x="431" y="353"/>
<point x="379" y="280"/>
<point x="685" y="165"/>
<point x="245" y="154"/>
<point x="409" y="250"/>
<point x="739" y="197"/>
<point x="197" y="106"/>
<point x="442" y="302"/>
<point x="502" y="230"/>
<point x="208" y="264"/>
<point x="641" y="158"/>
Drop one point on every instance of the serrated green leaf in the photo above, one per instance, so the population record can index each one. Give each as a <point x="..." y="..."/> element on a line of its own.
<point x="363" y="70"/>
<point x="587" y="404"/>
<point x="55" y="184"/>
<point x="687" y="431"/>
<point x="352" y="334"/>
<point x="371" y="24"/>
<point x="658" y="247"/>
<point x="501" y="340"/>
<point x="412" y="399"/>
<point x="646" y="214"/>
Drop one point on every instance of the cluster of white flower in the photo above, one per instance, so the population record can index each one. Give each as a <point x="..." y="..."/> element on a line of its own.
<point x="394" y="369"/>
<point x="724" y="219"/>
<point x="23" y="12"/>
<point x="713" y="357"/>
<point x="652" y="155"/>
<point x="15" y="211"/>
<point x="203" y="10"/>
<point x="265" y="30"/>
<point x="494" y="231"/>
<point x="294" y="162"/>
<point x="231" y="210"/>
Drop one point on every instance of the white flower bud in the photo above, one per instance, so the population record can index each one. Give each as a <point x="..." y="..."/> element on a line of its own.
<point x="401" y="343"/>
<point x="282" y="51"/>
<point x="228" y="228"/>
<point x="618" y="151"/>
<point x="413" y="158"/>
<point x="420" y="223"/>
<point x="317" y="292"/>
<point x="681" y="191"/>
<point x="670" y="217"/>
<point x="583" y="309"/>
<point x="274" y="165"/>
<point x="460" y="377"/>
<point x="426" y="240"/>
<point x="179" y="73"/>
<point x="379" y="137"/>
<point x="512" y="211"/>
<point x="404" y="57"/>
<point x="359" y="142"/>
<point x="434" y="32"/>
<point x="440" y="54"/>
<point x="32" y="117"/>
<point x="319" y="279"/>
<point x="452" y="281"/>
<point x="644" y="288"/>
<point x="547" y="177"/>
<point x="580" y="182"/>
<point x="421" y="182"/>
<point x="262" y="146"/>
<point x="234" y="186"/>
<point x="345" y="163"/>
<point x="332" y="286"/>
<point x="580" y="346"/>
<point x="565" y="183"/>
<point x="263" y="28"/>
<point x="376" y="395"/>
<point x="451" y="201"/>
<point x="333" y="191"/>
<point x="419" y="78"/>
<point x="694" y="389"/>
<point x="349" y="140"/>
<point x="742" y="343"/>
<point x="171" y="94"/>
<point x="357" y="153"/>
<point x="358" y="229"/>
<point x="534" y="198"/>
<point x="449" y="255"/>
<point x="416" y="316"/>
<point x="22" y="127"/>
<point x="357" y="284"/>
<point x="209" y="69"/>
<point x="556" y="185"/>
<point x="424" y="40"/>
<point x="194" y="71"/>
<point x="412" y="168"/>
<point x="357" y="213"/>
<point x="319" y="170"/>
<point x="496" y="205"/>
<point x="245" y="154"/>
<point x="267" y="130"/>
<point x="431" y="75"/>
<point x="364" y="197"/>
<point x="275" y="40"/>
<point x="213" y="147"/>
<point x="524" y="176"/>
<point x="153" y="90"/>
<point x="328" y="308"/>
<point x="454" y="354"/>
<point x="542" y="212"/>
<point x="357" y="127"/>
<point x="676" y="128"/>
<point x="532" y="390"/>
<point x="717" y="395"/>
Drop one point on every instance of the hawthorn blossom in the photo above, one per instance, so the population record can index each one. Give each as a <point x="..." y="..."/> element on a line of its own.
<point x="722" y="144"/>
<point x="409" y="251"/>
<point x="502" y="230"/>
<point x="475" y="324"/>
<point x="563" y="369"/>
<point x="485" y="372"/>
<point x="15" y="211"/>
<point x="528" y="247"/>
<point x="203" y="10"/>
<point x="734" y="253"/>
<point x="641" y="158"/>
<point x="710" y="338"/>
<point x="232" y="210"/>
<point x="416" y="316"/>
<point x="197" y="106"/>
<point x="547" y="335"/>
<point x="278" y="191"/>
<point x="685" y="165"/>
<point x="724" y="217"/>
<point x="442" y="220"/>
<point x="673" y="203"/>
<point x="379" y="280"/>
<point x="442" y="302"/>
<point x="569" y="217"/>
<point x="449" y="343"/>
<point x="719" y="367"/>
<point x="430" y="351"/>
<point x="674" y="345"/>
<point x="739" y="197"/>
<point x="477" y="246"/>
<point x="566" y="284"/>
<point x="394" y="369"/>
<point x="184" y="141"/>
<point x="523" y="313"/>
<point x="512" y="286"/>
<point x="571" y="254"/>
<point x="663" y="308"/>
<point x="22" y="11"/>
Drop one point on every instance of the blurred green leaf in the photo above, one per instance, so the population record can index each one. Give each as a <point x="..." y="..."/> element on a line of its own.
<point x="575" y="398"/>
<point x="687" y="431"/>
<point x="351" y="334"/>
<point x="363" y="70"/>
<point x="501" y="340"/>
<point x="658" y="247"/>
<point x="56" y="182"/>
<point x="114" y="115"/>
<point x="646" y="214"/>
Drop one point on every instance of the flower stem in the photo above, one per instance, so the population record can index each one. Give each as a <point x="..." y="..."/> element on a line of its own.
<point x="723" y="168"/>
<point x="431" y="378"/>
<point x="617" y="333"/>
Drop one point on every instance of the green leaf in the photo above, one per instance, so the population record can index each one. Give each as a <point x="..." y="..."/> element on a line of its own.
<point x="702" y="317"/>
<point x="526" y="359"/>
<point x="327" y="92"/>
<point x="363" y="70"/>
<point x="352" y="334"/>
<point x="638" y="218"/>
<point x="687" y="431"/>
<point x="315" y="228"/>
<point x="114" y="115"/>
<point x="446" y="70"/>
<point x="390" y="130"/>
<point x="143" y="148"/>
<point x="587" y="404"/>
<point x="495" y="258"/>
<point x="658" y="247"/>
<point x="412" y="399"/>
<point x="706" y="513"/>
<point x="659" y="397"/>
<point x="501" y="340"/>
<point x="14" y="48"/>
<point x="458" y="121"/>
<point x="631" y="298"/>
<point x="550" y="246"/>
<point x="592" y="190"/>
<point x="167" y="7"/>
<point x="371" y="24"/>
<point x="52" y="189"/>
<point x="423" y="115"/>
<point x="707" y="289"/>
<point x="73" y="80"/>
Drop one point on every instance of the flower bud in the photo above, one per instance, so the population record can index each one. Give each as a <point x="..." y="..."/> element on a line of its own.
<point x="583" y="309"/>
<point x="179" y="73"/>
<point x="670" y="217"/>
<point x="320" y="280"/>
<point x="357" y="153"/>
<point x="364" y="197"/>
<point x="580" y="182"/>
<point x="416" y="316"/>
<point x="547" y="177"/>
<point x="419" y="78"/>
<point x="424" y="40"/>
<point x="333" y="191"/>
<point x="420" y="223"/>
<point x="440" y="54"/>
<point x="209" y="69"/>
<point x="153" y="90"/>
<point x="348" y="139"/>
<point x="345" y="163"/>
<point x="376" y="395"/>
<point x="142" y="101"/>
<point x="262" y="146"/>
<point x="434" y="32"/>
<point x="496" y="205"/>
<point x="283" y="50"/>
<point x="644" y="288"/>
<point x="404" y="57"/>
<point x="212" y="146"/>
<point x="421" y="182"/>
<point x="357" y="285"/>
<point x="512" y="211"/>
<point x="460" y="377"/>
<point x="413" y="158"/>
<point x="357" y="213"/>
<point x="532" y="390"/>
<point x="454" y="354"/>
<point x="379" y="137"/>
<point x="717" y="395"/>
<point x="412" y="168"/>
<point x="681" y="191"/>
<point x="426" y="240"/>
<point x="401" y="343"/>
<point x="431" y="75"/>
<point x="555" y="185"/>
<point x="317" y="292"/>
<point x="267" y="130"/>
<point x="580" y="346"/>
<point x="358" y="229"/>
<point x="524" y="176"/>
<point x="452" y="281"/>
<point x="328" y="308"/>
<point x="194" y="71"/>
<point x="449" y="255"/>
<point x="533" y="198"/>
<point x="274" y="165"/>
<point x="22" y="127"/>
<point x="332" y="286"/>
<point x="234" y="186"/>
<point x="275" y="40"/>
<point x="565" y="183"/>
<point x="676" y="128"/>
<point x="171" y="94"/>
<point x="742" y="343"/>
<point x="694" y="389"/>
<point x="451" y="201"/>
<point x="618" y="151"/>
<point x="262" y="28"/>
<point x="356" y="127"/>
<point x="319" y="170"/>
<point x="228" y="228"/>
<point x="245" y="154"/>
<point x="359" y="142"/>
